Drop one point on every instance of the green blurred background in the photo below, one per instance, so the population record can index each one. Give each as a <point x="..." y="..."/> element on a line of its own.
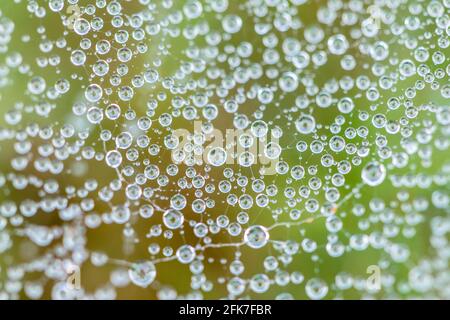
<point x="110" y="238"/>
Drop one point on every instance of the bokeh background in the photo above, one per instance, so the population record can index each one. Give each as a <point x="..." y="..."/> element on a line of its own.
<point x="110" y="238"/>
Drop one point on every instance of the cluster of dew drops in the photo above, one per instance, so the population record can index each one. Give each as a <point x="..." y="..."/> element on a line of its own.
<point x="92" y="93"/>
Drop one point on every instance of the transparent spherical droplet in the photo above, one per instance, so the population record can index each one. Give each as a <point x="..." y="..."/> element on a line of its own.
<point x="124" y="140"/>
<point x="259" y="128"/>
<point x="56" y="5"/>
<point x="217" y="156"/>
<point x="316" y="289"/>
<point x="186" y="254"/>
<point x="256" y="236"/>
<point x="246" y="159"/>
<point x="121" y="214"/>
<point x="272" y="150"/>
<point x="93" y="93"/>
<point x="101" y="68"/>
<point x="232" y="23"/>
<point x="338" y="44"/>
<point x="81" y="26"/>
<point x="305" y="124"/>
<point x="373" y="173"/>
<point x="94" y="115"/>
<point x="260" y="283"/>
<point x="113" y="158"/>
<point x="142" y="274"/>
<point x="193" y="9"/>
<point x="346" y="105"/>
<point x="288" y="82"/>
<point x="37" y="85"/>
<point x="173" y="219"/>
<point x="78" y="57"/>
<point x="133" y="192"/>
